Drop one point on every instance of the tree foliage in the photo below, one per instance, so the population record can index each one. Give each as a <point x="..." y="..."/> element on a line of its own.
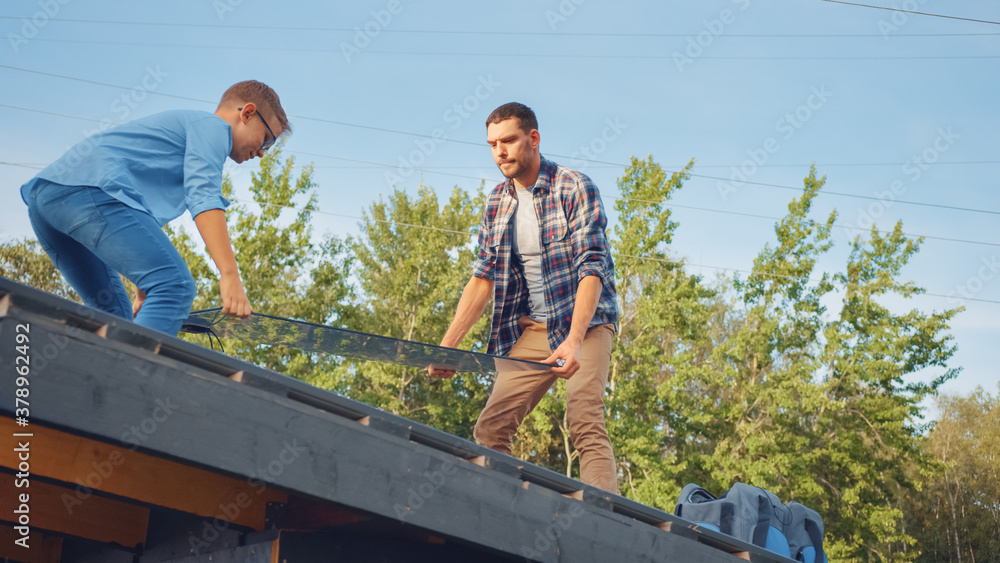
<point x="790" y="379"/>
<point x="413" y="258"/>
<point x="284" y="272"/>
<point x="662" y="339"/>
<point x="24" y="261"/>
<point x="956" y="514"/>
<point x="798" y="380"/>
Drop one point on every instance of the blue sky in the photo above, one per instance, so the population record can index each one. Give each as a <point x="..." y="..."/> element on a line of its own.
<point x="893" y="108"/>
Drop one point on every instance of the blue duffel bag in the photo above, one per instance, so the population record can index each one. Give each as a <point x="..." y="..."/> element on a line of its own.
<point x="745" y="512"/>
<point x="805" y="534"/>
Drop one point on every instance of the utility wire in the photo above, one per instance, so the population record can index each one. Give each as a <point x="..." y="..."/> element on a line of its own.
<point x="474" y="33"/>
<point x="117" y="86"/>
<point x="523" y="55"/>
<point x="693" y="175"/>
<point x="617" y="198"/>
<point x="847" y="164"/>
<point x="470" y="234"/>
<point x="51" y="113"/>
<point x="22" y="165"/>
<point x="477" y="144"/>
<point x="725" y="212"/>
<point x="436" y="169"/>
<point x="680" y="206"/>
<point x="396" y="131"/>
<point x="459" y="141"/>
<point x="910" y="12"/>
<point x="700" y="165"/>
<point x="672" y="56"/>
<point x="621" y="165"/>
<point x="620" y="198"/>
<point x="681" y="262"/>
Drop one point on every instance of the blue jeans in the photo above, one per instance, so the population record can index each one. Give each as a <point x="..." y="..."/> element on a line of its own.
<point x="92" y="237"/>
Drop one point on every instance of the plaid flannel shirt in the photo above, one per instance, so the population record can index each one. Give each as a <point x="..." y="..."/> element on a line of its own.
<point x="572" y="225"/>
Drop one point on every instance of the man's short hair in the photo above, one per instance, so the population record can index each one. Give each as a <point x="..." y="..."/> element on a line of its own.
<point x="259" y="94"/>
<point x="523" y="113"/>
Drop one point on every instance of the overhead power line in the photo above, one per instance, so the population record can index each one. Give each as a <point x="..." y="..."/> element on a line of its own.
<point x="22" y="165"/>
<point x="618" y="164"/>
<point x="672" y="56"/>
<point x="484" y="32"/>
<point x="622" y="198"/>
<point x="702" y="165"/>
<point x="669" y="56"/>
<point x="51" y="113"/>
<point x="612" y="197"/>
<point x="87" y="81"/>
<point x="477" y="144"/>
<point x="693" y="175"/>
<point x="471" y="234"/>
<point x="910" y="12"/>
<point x="848" y="164"/>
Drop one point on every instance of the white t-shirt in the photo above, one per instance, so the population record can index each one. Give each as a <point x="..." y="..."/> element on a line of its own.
<point x="528" y="249"/>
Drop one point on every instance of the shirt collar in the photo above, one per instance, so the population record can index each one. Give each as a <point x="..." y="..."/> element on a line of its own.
<point x="546" y="172"/>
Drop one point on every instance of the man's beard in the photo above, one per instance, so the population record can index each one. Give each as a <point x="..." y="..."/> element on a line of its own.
<point x="517" y="170"/>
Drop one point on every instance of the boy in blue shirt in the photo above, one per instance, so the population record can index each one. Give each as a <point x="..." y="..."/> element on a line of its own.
<point x="99" y="210"/>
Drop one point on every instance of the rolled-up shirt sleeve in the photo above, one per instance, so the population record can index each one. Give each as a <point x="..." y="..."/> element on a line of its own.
<point x="588" y="222"/>
<point x="485" y="264"/>
<point x="209" y="142"/>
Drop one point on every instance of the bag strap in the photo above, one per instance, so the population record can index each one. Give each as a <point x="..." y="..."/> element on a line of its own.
<point x="812" y="528"/>
<point x="727" y="513"/>
<point x="763" y="520"/>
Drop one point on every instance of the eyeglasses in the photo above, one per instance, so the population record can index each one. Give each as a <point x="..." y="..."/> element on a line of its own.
<point x="268" y="143"/>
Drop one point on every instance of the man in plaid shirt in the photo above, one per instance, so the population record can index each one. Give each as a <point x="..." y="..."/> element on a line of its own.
<point x="545" y="260"/>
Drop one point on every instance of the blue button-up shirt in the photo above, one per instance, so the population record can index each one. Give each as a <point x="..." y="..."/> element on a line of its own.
<point x="164" y="164"/>
<point x="572" y="230"/>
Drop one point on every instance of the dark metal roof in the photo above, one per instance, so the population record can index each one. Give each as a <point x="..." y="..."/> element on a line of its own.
<point x="96" y="376"/>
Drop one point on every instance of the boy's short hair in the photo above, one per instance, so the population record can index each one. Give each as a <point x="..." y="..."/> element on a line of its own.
<point x="523" y="113"/>
<point x="259" y="94"/>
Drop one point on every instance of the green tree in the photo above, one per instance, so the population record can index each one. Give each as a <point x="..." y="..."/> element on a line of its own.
<point x="821" y="411"/>
<point x="663" y="337"/>
<point x="956" y="514"/>
<point x="752" y="397"/>
<point x="24" y="261"/>
<point x="413" y="258"/>
<point x="872" y="421"/>
<point x="757" y="383"/>
<point x="284" y="273"/>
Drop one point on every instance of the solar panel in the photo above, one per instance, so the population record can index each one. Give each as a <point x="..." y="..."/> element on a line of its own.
<point x="311" y="337"/>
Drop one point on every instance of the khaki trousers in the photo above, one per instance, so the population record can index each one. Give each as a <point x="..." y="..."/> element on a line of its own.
<point x="516" y="393"/>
